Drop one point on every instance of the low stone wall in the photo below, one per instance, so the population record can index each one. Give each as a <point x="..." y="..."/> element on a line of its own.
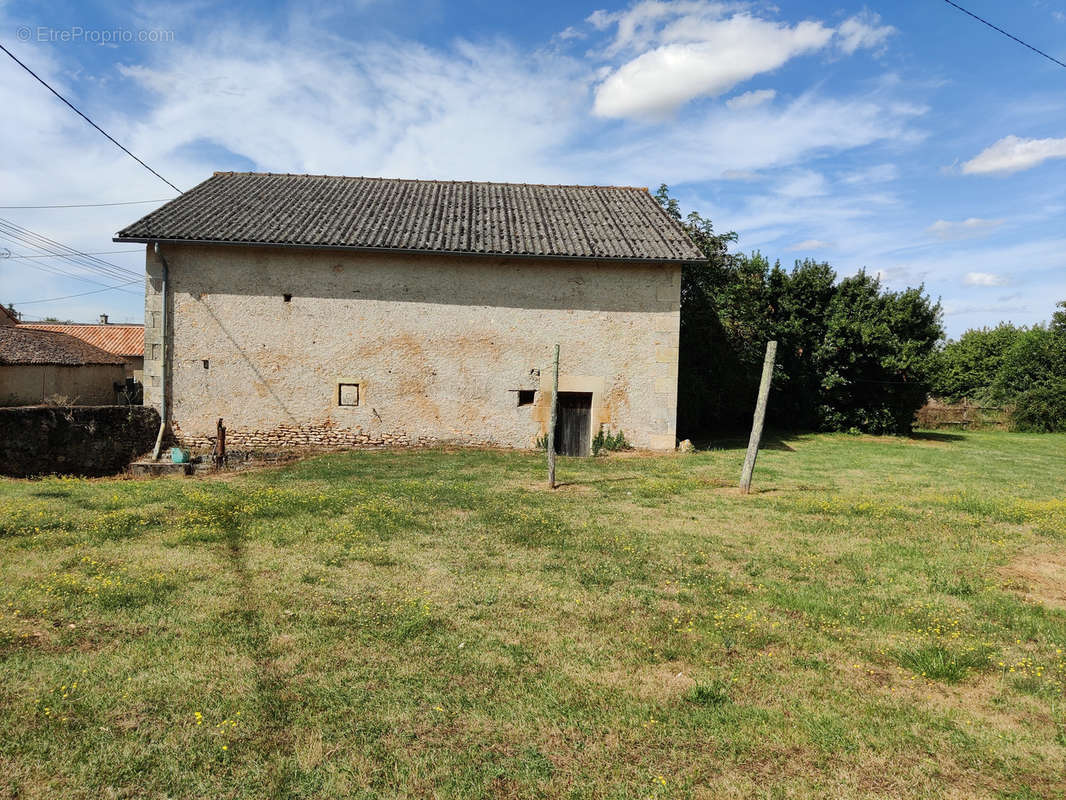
<point x="74" y="440"/>
<point x="313" y="437"/>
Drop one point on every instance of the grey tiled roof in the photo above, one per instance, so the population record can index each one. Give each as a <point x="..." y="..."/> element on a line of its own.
<point x="20" y="344"/>
<point x="605" y="222"/>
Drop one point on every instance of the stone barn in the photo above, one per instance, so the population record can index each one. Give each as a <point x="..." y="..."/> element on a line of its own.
<point x="310" y="310"/>
<point x="45" y="366"/>
<point x="123" y="340"/>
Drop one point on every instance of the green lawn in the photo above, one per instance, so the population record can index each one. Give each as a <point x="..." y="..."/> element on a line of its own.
<point x="884" y="617"/>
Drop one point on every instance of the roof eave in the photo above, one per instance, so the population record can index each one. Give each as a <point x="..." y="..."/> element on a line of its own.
<point x="401" y="250"/>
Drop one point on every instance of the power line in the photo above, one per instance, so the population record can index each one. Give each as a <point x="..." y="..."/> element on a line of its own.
<point x="86" y="261"/>
<point x="1009" y="36"/>
<point x="52" y="255"/>
<point x="23" y="236"/>
<point x="80" y="114"/>
<point x="40" y="242"/>
<point x="92" y="205"/>
<point x="53" y="270"/>
<point x="80" y="294"/>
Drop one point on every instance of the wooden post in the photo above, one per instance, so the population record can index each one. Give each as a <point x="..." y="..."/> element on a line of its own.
<point x="220" y="444"/>
<point x="760" y="414"/>
<point x="552" y="419"/>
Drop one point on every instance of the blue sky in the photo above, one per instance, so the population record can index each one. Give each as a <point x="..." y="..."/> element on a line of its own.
<point x="904" y="137"/>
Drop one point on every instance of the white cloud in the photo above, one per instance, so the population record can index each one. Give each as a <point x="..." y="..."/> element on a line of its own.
<point x="1013" y="154"/>
<point x="811" y="244"/>
<point x="806" y="183"/>
<point x="862" y="30"/>
<point x="752" y="140"/>
<point x="730" y="51"/>
<point x="966" y="229"/>
<point x="880" y="173"/>
<point x="679" y="51"/>
<point x="570" y="32"/>
<point x="388" y="108"/>
<point x="644" y="23"/>
<point x="984" y="279"/>
<point x="751" y="99"/>
<point x="739" y="175"/>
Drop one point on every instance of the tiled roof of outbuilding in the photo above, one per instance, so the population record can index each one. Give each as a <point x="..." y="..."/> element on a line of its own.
<point x="20" y="344"/>
<point x="122" y="340"/>
<point x="507" y="219"/>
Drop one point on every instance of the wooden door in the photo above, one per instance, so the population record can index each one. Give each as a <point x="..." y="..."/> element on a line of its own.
<point x="572" y="426"/>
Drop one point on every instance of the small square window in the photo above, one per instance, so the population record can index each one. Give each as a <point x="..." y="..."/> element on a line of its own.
<point x="287" y="298"/>
<point x="348" y="394"/>
<point x="525" y="397"/>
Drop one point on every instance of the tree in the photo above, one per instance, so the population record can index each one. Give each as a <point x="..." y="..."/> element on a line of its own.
<point x="850" y="355"/>
<point x="877" y="356"/>
<point x="966" y="368"/>
<point x="1024" y="368"/>
<point x="1035" y="358"/>
<point x="800" y="302"/>
<point x="705" y="356"/>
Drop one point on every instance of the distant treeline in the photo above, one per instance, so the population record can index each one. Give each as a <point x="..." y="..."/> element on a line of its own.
<point x="1020" y="368"/>
<point x="852" y="356"/>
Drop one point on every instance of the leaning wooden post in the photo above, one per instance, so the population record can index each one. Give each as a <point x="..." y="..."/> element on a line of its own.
<point x="552" y="418"/>
<point x="760" y="414"/>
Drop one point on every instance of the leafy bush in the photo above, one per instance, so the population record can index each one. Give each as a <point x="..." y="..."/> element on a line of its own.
<point x="1041" y="409"/>
<point x="609" y="442"/>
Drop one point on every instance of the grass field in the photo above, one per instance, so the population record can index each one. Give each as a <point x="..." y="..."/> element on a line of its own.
<point x="884" y="617"/>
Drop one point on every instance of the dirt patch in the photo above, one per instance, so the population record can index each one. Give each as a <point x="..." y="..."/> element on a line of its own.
<point x="1040" y="577"/>
<point x="656" y="683"/>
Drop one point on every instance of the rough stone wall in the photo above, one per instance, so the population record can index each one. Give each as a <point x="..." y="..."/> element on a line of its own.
<point x="87" y="385"/>
<point x="74" y="440"/>
<point x="439" y="345"/>
<point x="135" y="368"/>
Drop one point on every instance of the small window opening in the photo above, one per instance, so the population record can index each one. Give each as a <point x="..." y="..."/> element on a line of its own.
<point x="287" y="298"/>
<point x="348" y="394"/>
<point x="525" y="397"/>
<point x="206" y="363"/>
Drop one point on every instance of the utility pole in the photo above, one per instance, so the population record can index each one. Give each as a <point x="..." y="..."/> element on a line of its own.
<point x="760" y="414"/>
<point x="552" y="419"/>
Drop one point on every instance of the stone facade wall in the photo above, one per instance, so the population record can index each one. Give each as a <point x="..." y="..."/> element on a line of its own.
<point x="86" y="385"/>
<point x="439" y="346"/>
<point x="74" y="440"/>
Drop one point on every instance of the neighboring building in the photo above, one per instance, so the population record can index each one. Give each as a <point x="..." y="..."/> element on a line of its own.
<point x="318" y="310"/>
<point x="126" y="341"/>
<point x="8" y="316"/>
<point x="41" y="366"/>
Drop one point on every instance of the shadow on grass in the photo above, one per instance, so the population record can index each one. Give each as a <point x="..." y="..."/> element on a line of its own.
<point x="275" y="739"/>
<point x="597" y="481"/>
<point x="740" y="442"/>
<point x="936" y="436"/>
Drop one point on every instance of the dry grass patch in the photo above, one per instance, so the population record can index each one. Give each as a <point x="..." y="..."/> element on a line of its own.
<point x="1039" y="577"/>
